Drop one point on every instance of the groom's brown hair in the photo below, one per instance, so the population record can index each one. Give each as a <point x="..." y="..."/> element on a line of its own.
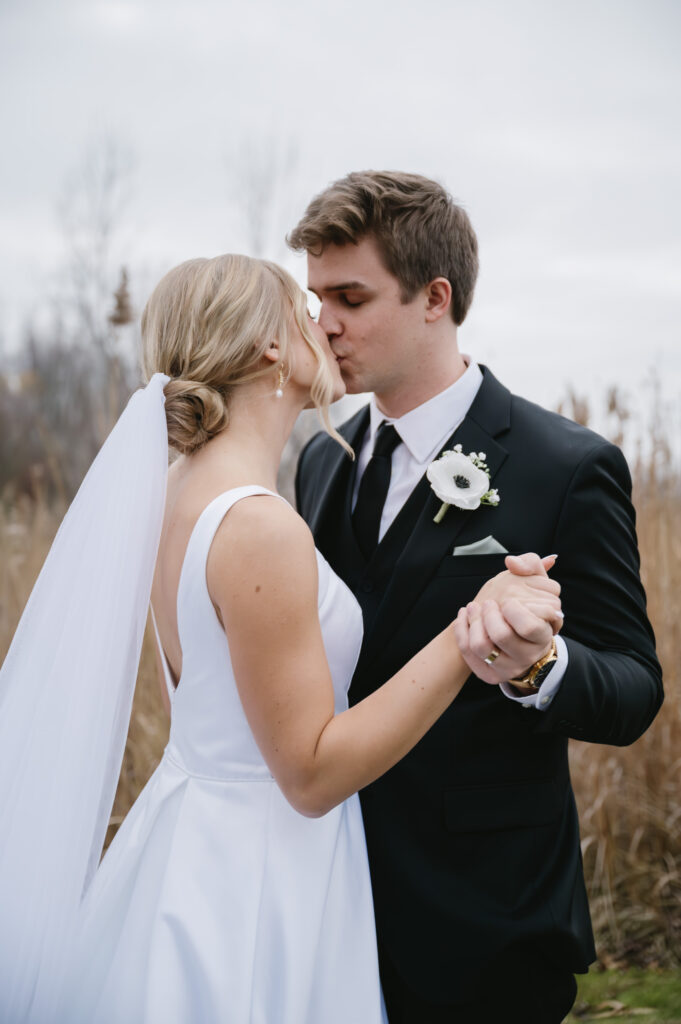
<point x="420" y="231"/>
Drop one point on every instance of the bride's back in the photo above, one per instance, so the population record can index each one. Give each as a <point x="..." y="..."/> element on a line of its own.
<point x="188" y="494"/>
<point x="209" y="735"/>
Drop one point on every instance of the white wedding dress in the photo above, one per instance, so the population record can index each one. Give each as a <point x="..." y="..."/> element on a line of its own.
<point x="217" y="903"/>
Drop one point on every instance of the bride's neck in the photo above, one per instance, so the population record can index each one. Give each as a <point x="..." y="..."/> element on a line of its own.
<point x="260" y="424"/>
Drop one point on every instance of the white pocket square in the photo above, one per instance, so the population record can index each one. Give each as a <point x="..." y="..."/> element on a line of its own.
<point x="486" y="546"/>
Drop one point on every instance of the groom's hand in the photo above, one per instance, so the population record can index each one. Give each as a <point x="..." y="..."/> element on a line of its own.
<point x="512" y="624"/>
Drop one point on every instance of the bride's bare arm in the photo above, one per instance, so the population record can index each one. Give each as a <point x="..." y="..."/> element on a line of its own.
<point x="262" y="577"/>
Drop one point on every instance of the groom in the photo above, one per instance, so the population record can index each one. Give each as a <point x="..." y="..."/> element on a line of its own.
<point x="473" y="838"/>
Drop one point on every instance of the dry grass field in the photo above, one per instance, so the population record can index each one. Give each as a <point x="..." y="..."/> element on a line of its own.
<point x="629" y="799"/>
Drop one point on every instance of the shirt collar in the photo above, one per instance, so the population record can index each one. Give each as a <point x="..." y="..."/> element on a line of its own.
<point x="437" y="418"/>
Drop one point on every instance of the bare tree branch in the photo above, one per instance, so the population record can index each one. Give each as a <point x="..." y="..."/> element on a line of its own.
<point x="263" y="185"/>
<point x="91" y="210"/>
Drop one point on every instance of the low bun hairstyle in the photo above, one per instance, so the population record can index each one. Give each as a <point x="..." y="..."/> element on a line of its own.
<point x="207" y="325"/>
<point x="194" y="414"/>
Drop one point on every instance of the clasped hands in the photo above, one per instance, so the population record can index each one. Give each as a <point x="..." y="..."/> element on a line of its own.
<point x="516" y="614"/>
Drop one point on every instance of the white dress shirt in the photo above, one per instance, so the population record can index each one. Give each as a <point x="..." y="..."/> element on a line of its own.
<point x="424" y="432"/>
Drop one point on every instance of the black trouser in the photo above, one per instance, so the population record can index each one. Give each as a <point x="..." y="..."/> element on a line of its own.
<point x="521" y="986"/>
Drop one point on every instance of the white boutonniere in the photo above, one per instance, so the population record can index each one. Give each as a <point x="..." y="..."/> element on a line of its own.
<point x="461" y="480"/>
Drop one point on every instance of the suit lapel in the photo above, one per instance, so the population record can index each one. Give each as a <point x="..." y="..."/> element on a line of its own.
<point x="353" y="431"/>
<point x="429" y="542"/>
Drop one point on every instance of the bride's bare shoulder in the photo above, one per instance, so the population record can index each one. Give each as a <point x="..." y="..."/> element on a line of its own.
<point x="261" y="534"/>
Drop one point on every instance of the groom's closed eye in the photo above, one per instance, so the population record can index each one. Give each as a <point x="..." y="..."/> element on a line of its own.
<point x="350" y="293"/>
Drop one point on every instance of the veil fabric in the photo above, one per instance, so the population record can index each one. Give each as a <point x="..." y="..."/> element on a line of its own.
<point x="66" y="690"/>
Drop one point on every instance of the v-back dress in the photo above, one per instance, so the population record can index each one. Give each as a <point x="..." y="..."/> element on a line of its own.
<point x="217" y="902"/>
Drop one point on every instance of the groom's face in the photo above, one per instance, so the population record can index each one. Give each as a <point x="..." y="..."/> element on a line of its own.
<point x="373" y="334"/>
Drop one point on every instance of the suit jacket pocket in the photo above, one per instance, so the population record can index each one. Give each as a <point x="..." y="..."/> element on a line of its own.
<point x="471" y="565"/>
<point x="497" y="808"/>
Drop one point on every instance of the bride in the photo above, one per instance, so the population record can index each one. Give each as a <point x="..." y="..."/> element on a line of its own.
<point x="237" y="889"/>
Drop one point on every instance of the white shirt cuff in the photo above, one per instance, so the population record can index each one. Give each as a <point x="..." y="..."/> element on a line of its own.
<point x="550" y="686"/>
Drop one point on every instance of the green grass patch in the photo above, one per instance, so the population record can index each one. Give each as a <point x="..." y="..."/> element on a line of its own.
<point x="633" y="996"/>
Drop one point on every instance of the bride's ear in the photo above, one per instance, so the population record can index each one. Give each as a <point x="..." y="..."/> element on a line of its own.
<point x="272" y="352"/>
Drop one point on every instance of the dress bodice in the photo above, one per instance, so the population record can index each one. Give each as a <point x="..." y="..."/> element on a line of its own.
<point x="209" y="733"/>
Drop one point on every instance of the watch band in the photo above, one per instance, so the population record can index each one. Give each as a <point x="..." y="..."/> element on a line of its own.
<point x="536" y="674"/>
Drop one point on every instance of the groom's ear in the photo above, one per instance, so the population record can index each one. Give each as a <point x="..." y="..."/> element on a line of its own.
<point x="438" y="299"/>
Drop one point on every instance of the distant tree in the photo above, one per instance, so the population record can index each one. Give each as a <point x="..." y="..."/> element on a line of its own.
<point x="263" y="185"/>
<point x="122" y="313"/>
<point x="71" y="378"/>
<point x="92" y="212"/>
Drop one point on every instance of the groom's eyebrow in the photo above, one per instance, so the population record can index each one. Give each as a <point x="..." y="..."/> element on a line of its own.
<point x="345" y="286"/>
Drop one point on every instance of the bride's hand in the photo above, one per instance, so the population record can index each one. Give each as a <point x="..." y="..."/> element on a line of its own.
<point x="515" y="614"/>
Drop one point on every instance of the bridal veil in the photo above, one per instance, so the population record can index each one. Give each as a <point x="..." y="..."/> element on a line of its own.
<point x="66" y="690"/>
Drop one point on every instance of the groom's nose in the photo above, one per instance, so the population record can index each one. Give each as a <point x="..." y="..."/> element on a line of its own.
<point x="329" y="322"/>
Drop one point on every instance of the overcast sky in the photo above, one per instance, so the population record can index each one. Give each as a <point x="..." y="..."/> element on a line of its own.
<point x="555" y="123"/>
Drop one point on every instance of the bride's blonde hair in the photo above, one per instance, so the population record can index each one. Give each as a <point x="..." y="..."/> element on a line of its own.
<point x="207" y="325"/>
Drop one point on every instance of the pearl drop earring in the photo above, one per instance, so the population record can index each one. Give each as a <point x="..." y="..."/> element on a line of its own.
<point x="279" y="393"/>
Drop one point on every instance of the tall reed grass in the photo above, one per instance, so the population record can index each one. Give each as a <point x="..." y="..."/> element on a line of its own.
<point x="629" y="799"/>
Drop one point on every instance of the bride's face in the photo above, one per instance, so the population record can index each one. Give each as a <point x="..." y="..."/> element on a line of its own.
<point x="305" y="363"/>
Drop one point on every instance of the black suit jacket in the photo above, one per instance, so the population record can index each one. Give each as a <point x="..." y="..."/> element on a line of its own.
<point x="473" y="837"/>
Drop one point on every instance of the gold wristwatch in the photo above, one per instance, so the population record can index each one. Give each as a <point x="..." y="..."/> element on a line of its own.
<point x="536" y="674"/>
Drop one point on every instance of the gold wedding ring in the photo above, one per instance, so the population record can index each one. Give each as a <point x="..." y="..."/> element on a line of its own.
<point x="492" y="656"/>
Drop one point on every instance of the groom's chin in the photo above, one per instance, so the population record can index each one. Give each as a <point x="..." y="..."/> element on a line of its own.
<point x="351" y="386"/>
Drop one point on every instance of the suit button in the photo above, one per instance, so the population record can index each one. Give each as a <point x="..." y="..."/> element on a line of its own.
<point x="366" y="587"/>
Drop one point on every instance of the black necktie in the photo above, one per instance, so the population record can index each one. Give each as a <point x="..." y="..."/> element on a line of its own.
<point x="373" y="490"/>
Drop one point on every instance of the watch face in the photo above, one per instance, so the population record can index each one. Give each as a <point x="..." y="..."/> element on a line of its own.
<point x="543" y="672"/>
<point x="535" y="676"/>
